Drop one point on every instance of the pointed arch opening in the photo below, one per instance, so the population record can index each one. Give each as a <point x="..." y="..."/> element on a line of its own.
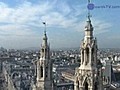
<point x="41" y="69"/>
<point x="82" y="59"/>
<point x="87" y="50"/>
<point x="78" y="85"/>
<point x="92" y="51"/>
<point x="96" y="88"/>
<point x="42" y="50"/>
<point x="87" y="55"/>
<point x="86" y="86"/>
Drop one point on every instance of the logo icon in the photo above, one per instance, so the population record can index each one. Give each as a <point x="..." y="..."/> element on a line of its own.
<point x="90" y="6"/>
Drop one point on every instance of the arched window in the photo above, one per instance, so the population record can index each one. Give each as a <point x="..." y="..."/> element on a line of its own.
<point x="45" y="52"/>
<point x="82" y="59"/>
<point x="41" y="68"/>
<point x="14" y="75"/>
<point x="86" y="86"/>
<point x="92" y="50"/>
<point x="96" y="88"/>
<point x="87" y="55"/>
<point x="45" y="49"/>
<point x="78" y="85"/>
<point x="87" y="50"/>
<point x="42" y="50"/>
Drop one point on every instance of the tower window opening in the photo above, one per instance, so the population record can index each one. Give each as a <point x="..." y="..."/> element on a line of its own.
<point x="45" y="50"/>
<point x="78" y="85"/>
<point x="41" y="68"/>
<point x="87" y="55"/>
<point x="96" y="88"/>
<point x="86" y="86"/>
<point x="42" y="50"/>
<point x="87" y="50"/>
<point x="82" y="60"/>
<point x="92" y="50"/>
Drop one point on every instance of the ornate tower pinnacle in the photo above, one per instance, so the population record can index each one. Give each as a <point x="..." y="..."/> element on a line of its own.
<point x="88" y="27"/>
<point x="44" y="66"/>
<point x="89" y="46"/>
<point x="87" y="76"/>
<point x="45" y="36"/>
<point x="45" y="28"/>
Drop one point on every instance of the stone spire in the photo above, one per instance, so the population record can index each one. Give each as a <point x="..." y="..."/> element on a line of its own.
<point x="44" y="66"/>
<point x="87" y="76"/>
<point x="45" y="36"/>
<point x="88" y="26"/>
<point x="89" y="46"/>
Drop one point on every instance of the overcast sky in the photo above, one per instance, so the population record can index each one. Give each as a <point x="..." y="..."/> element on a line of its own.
<point x="21" y="23"/>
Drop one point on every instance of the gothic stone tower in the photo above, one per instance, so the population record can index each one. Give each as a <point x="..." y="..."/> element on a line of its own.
<point x="44" y="67"/>
<point x="88" y="76"/>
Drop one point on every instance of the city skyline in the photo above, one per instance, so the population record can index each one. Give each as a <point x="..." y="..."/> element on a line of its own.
<point x="21" y="23"/>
